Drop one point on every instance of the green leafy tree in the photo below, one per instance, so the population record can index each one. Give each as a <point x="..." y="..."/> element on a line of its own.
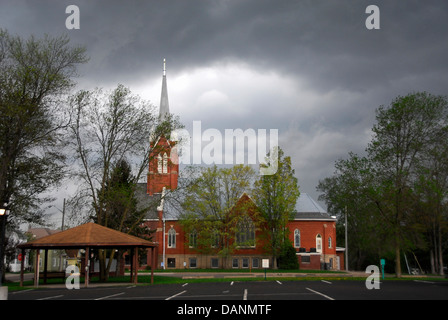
<point x="275" y="196"/>
<point x="35" y="74"/>
<point x="288" y="258"/>
<point x="348" y="192"/>
<point x="209" y="213"/>
<point x="402" y="135"/>
<point x="399" y="189"/>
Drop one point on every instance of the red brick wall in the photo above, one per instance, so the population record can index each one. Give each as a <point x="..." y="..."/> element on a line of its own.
<point x="155" y="180"/>
<point x="313" y="264"/>
<point x="310" y="229"/>
<point x="308" y="232"/>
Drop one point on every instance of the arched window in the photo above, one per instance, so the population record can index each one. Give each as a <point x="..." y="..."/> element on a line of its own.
<point x="159" y="163"/>
<point x="245" y="235"/>
<point x="165" y="163"/>
<point x="193" y="238"/>
<point x="172" y="238"/>
<point x="318" y="243"/>
<point x="215" y="239"/>
<point x="297" y="238"/>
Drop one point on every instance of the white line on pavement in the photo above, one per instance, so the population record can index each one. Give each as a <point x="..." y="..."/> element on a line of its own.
<point x="53" y="297"/>
<point x="423" y="281"/>
<point x="177" y="294"/>
<point x="112" y="295"/>
<point x="22" y="291"/>
<point x="245" y="294"/>
<point x="326" y="281"/>
<point x="319" y="293"/>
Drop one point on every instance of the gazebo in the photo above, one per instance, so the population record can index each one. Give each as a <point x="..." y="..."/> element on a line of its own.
<point x="88" y="236"/>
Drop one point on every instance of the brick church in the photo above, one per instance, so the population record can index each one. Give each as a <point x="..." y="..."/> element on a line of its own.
<point x="312" y="230"/>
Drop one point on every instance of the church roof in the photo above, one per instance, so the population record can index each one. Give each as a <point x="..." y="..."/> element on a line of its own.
<point x="146" y="201"/>
<point x="308" y="209"/>
<point x="169" y="205"/>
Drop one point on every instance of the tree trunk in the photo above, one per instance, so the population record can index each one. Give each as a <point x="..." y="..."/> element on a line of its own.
<point x="431" y="255"/>
<point x="397" y="261"/>
<point x="440" y="251"/>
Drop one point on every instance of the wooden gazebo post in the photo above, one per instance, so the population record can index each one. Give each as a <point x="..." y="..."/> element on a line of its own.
<point x="153" y="258"/>
<point x="22" y="264"/>
<point x="135" y="264"/>
<point x="45" y="265"/>
<point x="86" y="268"/>
<point x="36" y="269"/>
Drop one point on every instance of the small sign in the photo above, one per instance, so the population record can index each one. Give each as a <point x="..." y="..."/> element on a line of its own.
<point x="265" y="263"/>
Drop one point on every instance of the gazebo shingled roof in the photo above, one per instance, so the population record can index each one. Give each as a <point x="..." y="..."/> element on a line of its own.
<point x="89" y="235"/>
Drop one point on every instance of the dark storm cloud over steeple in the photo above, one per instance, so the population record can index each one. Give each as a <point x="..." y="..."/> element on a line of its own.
<point x="310" y="69"/>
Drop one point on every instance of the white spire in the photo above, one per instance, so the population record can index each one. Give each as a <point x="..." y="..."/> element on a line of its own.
<point x="164" y="104"/>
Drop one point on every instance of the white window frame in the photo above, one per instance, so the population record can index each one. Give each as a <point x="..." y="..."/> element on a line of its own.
<point x="159" y="163"/>
<point x="165" y="163"/>
<point x="318" y="243"/>
<point x="171" y="238"/>
<point x="297" y="234"/>
<point x="193" y="239"/>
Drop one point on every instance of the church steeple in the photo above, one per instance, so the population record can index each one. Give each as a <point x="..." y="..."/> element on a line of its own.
<point x="164" y="108"/>
<point x="162" y="172"/>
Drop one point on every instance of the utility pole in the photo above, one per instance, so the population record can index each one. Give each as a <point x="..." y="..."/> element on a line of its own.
<point x="346" y="241"/>
<point x="63" y="216"/>
<point x="61" y="259"/>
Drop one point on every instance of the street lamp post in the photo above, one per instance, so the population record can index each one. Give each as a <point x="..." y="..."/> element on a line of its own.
<point x="3" y="214"/>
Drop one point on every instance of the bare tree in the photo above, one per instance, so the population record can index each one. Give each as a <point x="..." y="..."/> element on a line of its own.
<point x="109" y="127"/>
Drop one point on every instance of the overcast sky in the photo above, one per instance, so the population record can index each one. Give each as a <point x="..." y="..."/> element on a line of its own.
<point x="310" y="69"/>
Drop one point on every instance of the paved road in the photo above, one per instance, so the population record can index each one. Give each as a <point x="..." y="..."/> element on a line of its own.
<point x="255" y="291"/>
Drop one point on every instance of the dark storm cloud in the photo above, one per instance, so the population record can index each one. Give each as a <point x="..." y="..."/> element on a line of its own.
<point x="309" y="68"/>
<point x="325" y="40"/>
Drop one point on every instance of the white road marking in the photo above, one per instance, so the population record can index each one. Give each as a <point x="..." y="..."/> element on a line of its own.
<point x="279" y="282"/>
<point x="112" y="295"/>
<point x="21" y="291"/>
<point x="326" y="281"/>
<point x="53" y="297"/>
<point x="185" y="284"/>
<point x="177" y="294"/>
<point x="319" y="293"/>
<point x="245" y="294"/>
<point x="423" y="281"/>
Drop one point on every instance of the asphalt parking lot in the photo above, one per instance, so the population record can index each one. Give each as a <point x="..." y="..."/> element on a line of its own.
<point x="248" y="291"/>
